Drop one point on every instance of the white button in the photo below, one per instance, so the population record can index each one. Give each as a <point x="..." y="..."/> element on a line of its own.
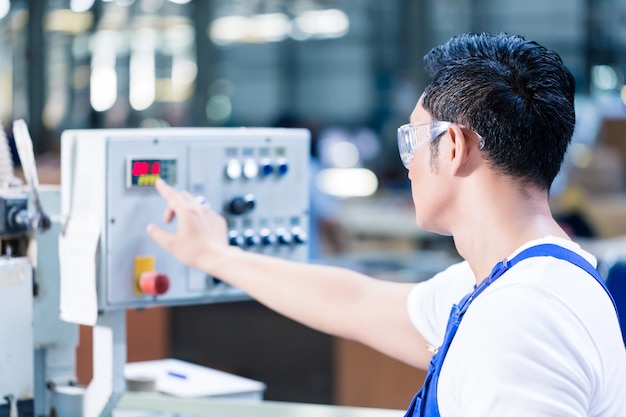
<point x="233" y="169"/>
<point x="250" y="168"/>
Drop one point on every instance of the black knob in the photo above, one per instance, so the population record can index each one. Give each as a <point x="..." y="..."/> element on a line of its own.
<point x="43" y="222"/>
<point x="235" y="239"/>
<point x="284" y="237"/>
<point x="241" y="205"/>
<point x="18" y="220"/>
<point x="299" y="235"/>
<point x="267" y="238"/>
<point x="250" y="238"/>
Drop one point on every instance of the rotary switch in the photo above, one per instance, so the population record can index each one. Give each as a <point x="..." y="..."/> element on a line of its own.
<point x="241" y="205"/>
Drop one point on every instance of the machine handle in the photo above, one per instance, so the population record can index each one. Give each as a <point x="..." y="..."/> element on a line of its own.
<point x="24" y="144"/>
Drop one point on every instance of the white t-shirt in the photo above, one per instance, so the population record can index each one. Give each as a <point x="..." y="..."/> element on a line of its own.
<point x="542" y="340"/>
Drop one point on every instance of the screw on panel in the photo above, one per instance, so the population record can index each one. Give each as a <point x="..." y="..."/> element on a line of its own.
<point x="112" y="220"/>
<point x="155" y="141"/>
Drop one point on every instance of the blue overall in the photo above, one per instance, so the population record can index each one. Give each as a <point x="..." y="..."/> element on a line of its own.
<point x="424" y="403"/>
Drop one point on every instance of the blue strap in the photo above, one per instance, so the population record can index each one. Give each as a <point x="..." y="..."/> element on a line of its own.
<point x="560" y="252"/>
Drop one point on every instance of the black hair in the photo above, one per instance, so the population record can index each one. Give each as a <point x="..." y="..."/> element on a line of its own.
<point x="515" y="93"/>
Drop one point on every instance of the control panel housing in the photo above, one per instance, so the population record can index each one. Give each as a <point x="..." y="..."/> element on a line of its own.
<point x="256" y="177"/>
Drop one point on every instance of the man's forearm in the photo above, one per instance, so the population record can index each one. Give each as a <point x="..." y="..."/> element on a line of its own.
<point x="333" y="300"/>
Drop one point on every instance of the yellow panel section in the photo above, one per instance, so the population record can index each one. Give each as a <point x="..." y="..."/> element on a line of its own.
<point x="142" y="264"/>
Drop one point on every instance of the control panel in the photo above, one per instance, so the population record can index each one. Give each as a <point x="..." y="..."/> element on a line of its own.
<point x="257" y="178"/>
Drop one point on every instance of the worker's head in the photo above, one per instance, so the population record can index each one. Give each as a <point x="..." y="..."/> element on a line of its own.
<point x="516" y="94"/>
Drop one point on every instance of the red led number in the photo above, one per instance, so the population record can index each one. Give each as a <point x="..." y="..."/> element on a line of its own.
<point x="140" y="168"/>
<point x="156" y="168"/>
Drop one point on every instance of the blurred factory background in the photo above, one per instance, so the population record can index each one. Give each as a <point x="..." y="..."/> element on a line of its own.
<point x="349" y="70"/>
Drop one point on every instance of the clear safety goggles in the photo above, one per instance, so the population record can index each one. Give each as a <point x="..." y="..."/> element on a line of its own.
<point x="413" y="135"/>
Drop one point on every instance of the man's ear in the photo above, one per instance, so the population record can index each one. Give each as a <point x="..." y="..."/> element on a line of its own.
<point x="460" y="150"/>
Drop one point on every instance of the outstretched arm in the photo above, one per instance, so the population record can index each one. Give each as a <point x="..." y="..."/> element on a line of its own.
<point x="330" y="299"/>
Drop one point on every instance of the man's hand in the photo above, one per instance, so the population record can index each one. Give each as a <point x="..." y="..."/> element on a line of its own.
<point x="200" y="230"/>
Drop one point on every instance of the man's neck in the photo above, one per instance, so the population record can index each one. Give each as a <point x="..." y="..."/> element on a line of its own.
<point x="500" y="225"/>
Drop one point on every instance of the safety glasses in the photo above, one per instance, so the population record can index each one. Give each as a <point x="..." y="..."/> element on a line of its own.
<point x="413" y="135"/>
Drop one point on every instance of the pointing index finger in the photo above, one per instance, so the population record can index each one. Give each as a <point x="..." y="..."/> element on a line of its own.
<point x="168" y="193"/>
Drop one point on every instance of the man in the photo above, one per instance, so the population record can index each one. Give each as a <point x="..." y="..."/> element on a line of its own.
<point x="539" y="335"/>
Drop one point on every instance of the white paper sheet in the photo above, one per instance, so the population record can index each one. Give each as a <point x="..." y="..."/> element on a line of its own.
<point x="77" y="264"/>
<point x="188" y="380"/>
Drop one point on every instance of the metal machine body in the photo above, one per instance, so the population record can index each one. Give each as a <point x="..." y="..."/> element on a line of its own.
<point x="16" y="327"/>
<point x="38" y="352"/>
<point x="55" y="340"/>
<point x="38" y="349"/>
<point x="256" y="177"/>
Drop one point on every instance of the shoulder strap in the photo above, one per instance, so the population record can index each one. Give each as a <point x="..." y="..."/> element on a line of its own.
<point x="562" y="253"/>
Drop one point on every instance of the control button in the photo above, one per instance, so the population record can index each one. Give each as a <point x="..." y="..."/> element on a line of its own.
<point x="241" y="205"/>
<point x="250" y="168"/>
<point x="154" y="283"/>
<point x="267" y="237"/>
<point x="251" y="238"/>
<point x="267" y="168"/>
<point x="235" y="239"/>
<point x="200" y="199"/>
<point x="233" y="169"/>
<point x="282" y="166"/>
<point x="284" y="237"/>
<point x="299" y="235"/>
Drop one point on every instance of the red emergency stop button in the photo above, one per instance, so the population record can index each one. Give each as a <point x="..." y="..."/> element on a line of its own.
<point x="154" y="283"/>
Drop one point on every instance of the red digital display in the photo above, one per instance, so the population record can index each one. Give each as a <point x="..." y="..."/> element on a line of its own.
<point x="146" y="168"/>
<point x="144" y="172"/>
<point x="140" y="168"/>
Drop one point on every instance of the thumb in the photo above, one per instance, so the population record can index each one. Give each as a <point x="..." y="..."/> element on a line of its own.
<point x="160" y="236"/>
